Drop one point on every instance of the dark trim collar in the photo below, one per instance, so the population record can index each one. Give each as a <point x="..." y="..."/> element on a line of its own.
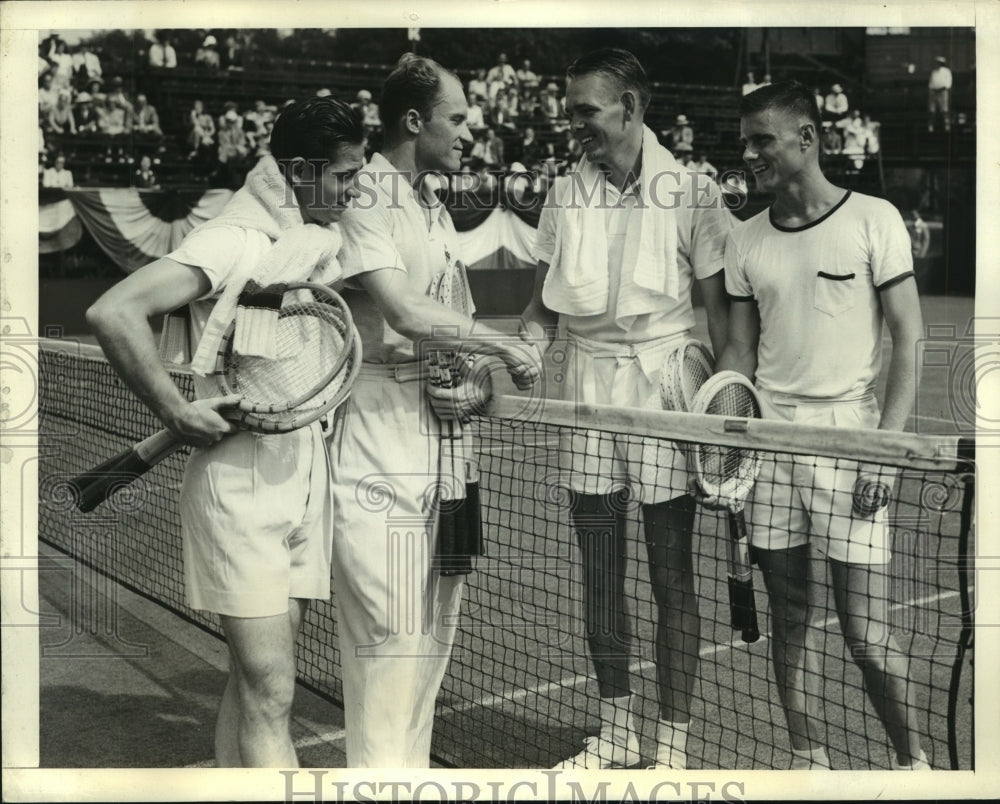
<point x="780" y="228"/>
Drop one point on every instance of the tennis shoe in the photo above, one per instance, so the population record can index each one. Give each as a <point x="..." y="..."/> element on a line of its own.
<point x="601" y="754"/>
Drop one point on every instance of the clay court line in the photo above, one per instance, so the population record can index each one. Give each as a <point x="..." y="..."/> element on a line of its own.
<point x="497" y="702"/>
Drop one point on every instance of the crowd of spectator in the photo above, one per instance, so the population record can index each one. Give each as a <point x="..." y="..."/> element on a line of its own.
<point x="517" y="118"/>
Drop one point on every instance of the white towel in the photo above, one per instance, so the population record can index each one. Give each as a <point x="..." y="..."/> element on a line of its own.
<point x="300" y="252"/>
<point x="578" y="279"/>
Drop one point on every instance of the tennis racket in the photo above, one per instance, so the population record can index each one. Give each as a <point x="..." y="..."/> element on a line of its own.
<point x="685" y="370"/>
<point x="459" y="519"/>
<point x="314" y="356"/>
<point x="728" y="474"/>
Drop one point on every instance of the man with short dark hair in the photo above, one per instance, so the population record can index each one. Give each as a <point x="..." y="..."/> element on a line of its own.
<point x="396" y="610"/>
<point x="810" y="280"/>
<point x="255" y="510"/>
<point x="625" y="301"/>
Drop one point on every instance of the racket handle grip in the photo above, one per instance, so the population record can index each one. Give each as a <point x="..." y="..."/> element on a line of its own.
<point x="738" y="547"/>
<point x="743" y="608"/>
<point x="98" y="484"/>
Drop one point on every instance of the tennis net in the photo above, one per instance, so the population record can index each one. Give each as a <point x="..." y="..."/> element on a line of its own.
<point x="520" y="689"/>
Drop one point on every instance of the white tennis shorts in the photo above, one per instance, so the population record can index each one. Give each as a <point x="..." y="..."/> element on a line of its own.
<point x="598" y="462"/>
<point x="256" y="516"/>
<point x="799" y="498"/>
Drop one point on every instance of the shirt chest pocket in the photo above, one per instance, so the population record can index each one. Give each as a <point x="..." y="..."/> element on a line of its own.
<point x="834" y="293"/>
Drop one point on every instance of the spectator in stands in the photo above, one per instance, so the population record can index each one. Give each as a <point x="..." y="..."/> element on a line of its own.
<point x="477" y="86"/>
<point x="233" y="149"/>
<point x="531" y="110"/>
<point x="232" y="53"/>
<point x="855" y="139"/>
<point x="84" y="114"/>
<point x="502" y="72"/>
<point x="920" y="235"/>
<point x="201" y="138"/>
<point x="117" y="97"/>
<point x="820" y="102"/>
<point x="207" y="56"/>
<point x="530" y="150"/>
<point x="146" y="121"/>
<point x="86" y="65"/>
<point x="322" y="93"/>
<point x="260" y="114"/>
<point x="144" y="177"/>
<point x="254" y="123"/>
<point x="873" y="127"/>
<point x="750" y="84"/>
<point x="114" y="123"/>
<point x="48" y="96"/>
<point x="705" y="167"/>
<point x="506" y="112"/>
<point x="938" y="91"/>
<point x="95" y="85"/>
<point x="831" y="141"/>
<point x="162" y="55"/>
<point x="527" y="79"/>
<point x="835" y="105"/>
<point x="62" y="64"/>
<point x="765" y="82"/>
<point x="369" y="111"/>
<point x="489" y="148"/>
<point x="227" y="107"/>
<point x="61" y="120"/>
<point x="680" y="138"/>
<point x="58" y="175"/>
<point x="475" y="120"/>
<point x="551" y="107"/>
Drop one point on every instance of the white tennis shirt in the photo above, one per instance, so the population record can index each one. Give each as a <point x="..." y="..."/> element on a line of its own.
<point x="703" y="221"/>
<point x="816" y="287"/>
<point x="387" y="226"/>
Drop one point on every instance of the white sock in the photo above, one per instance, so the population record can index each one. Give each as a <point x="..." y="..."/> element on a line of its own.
<point x="616" y="719"/>
<point x="671" y="744"/>
<point x="806" y="758"/>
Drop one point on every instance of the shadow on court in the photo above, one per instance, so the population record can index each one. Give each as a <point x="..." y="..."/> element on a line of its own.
<point x="126" y="684"/>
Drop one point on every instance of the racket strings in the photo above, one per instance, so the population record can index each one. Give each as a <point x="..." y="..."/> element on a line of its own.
<point x="695" y="371"/>
<point x="730" y="471"/>
<point x="309" y="344"/>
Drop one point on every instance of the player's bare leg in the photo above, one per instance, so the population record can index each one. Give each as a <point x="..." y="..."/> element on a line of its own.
<point x="262" y="650"/>
<point x="861" y="594"/>
<point x="227" y="745"/>
<point x="796" y="667"/>
<point x="600" y="529"/>
<point x="668" y="527"/>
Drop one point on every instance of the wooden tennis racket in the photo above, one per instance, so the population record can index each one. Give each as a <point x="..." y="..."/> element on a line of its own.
<point x="685" y="370"/>
<point x="728" y="474"/>
<point x="315" y="357"/>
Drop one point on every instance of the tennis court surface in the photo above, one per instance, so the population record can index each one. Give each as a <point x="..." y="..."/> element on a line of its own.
<point x="520" y="689"/>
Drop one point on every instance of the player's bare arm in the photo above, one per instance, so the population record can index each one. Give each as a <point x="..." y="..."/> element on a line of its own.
<point x="743" y="335"/>
<point x="417" y="317"/>
<point x="713" y="293"/>
<point x="901" y="308"/>
<point x="121" y="321"/>
<point x="538" y="320"/>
